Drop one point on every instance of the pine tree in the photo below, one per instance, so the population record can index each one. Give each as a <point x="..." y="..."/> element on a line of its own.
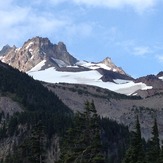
<point x="37" y="144"/>
<point x="135" y="153"/>
<point x="82" y="143"/>
<point x="153" y="152"/>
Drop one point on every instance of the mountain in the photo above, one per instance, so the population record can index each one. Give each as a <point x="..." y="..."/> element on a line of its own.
<point x="52" y="63"/>
<point x="29" y="108"/>
<point x="24" y="103"/>
<point x="34" y="51"/>
<point x="34" y="121"/>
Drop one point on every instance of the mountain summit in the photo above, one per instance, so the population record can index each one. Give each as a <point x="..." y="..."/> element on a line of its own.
<point x="38" y="49"/>
<point x="34" y="51"/>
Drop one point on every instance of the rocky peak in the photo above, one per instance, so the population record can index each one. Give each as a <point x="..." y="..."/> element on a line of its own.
<point x="61" y="47"/>
<point x="37" y="42"/>
<point x="6" y="49"/>
<point x="36" y="50"/>
<point x="160" y="74"/>
<point x="108" y="62"/>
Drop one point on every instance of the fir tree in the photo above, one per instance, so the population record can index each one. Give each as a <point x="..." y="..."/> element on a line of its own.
<point x="153" y="152"/>
<point x="135" y="153"/>
<point x="82" y="143"/>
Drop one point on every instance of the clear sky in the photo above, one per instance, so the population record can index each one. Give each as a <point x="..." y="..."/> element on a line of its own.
<point x="130" y="32"/>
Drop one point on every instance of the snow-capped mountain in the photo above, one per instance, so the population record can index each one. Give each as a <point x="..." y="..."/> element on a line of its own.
<point x="52" y="63"/>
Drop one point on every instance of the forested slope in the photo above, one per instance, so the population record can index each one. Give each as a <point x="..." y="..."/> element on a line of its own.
<point x="36" y="131"/>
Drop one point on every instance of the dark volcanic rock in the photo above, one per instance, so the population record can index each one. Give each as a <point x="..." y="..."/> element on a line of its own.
<point x="110" y="75"/>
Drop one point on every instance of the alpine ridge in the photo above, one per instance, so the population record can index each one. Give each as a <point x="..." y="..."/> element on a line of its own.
<point x="34" y="51"/>
<point x="52" y="63"/>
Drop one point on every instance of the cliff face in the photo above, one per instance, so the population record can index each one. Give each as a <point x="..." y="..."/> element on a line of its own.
<point x="34" y="51"/>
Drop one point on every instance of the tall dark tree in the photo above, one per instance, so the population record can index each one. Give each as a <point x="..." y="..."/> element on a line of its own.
<point x="153" y="152"/>
<point x="135" y="153"/>
<point x="82" y="143"/>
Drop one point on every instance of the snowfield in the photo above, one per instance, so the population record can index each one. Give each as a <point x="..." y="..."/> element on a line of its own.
<point x="93" y="66"/>
<point x="91" y="77"/>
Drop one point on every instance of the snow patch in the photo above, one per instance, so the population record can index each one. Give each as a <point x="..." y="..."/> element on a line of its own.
<point x="32" y="57"/>
<point x="93" y="66"/>
<point x="131" y="87"/>
<point x="59" y="62"/>
<point x="17" y="49"/>
<point x="29" y="45"/>
<point x="91" y="77"/>
<point x="37" y="67"/>
<point x="121" y="81"/>
<point x="30" y="50"/>
<point x="161" y="77"/>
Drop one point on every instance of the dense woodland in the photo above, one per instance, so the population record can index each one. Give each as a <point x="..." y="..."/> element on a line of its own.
<point x="83" y="137"/>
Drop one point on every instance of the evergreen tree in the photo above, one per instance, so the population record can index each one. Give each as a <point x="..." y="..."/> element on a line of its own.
<point x="153" y="152"/>
<point x="135" y="153"/>
<point x="36" y="144"/>
<point x="82" y="143"/>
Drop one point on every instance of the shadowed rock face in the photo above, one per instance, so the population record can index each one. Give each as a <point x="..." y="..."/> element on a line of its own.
<point x="34" y="51"/>
<point x="5" y="50"/>
<point x="110" y="75"/>
<point x="151" y="80"/>
<point x="160" y="74"/>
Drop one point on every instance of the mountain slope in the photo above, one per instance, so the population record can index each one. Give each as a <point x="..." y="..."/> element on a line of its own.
<point x="121" y="108"/>
<point x="33" y="120"/>
<point x="52" y="63"/>
<point x="23" y="103"/>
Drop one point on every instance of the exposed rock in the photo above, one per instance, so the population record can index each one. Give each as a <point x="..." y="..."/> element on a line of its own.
<point x="36" y="50"/>
<point x="117" y="107"/>
<point x="111" y="75"/>
<point x="150" y="80"/>
<point x="5" y="50"/>
<point x="160" y="74"/>
<point x="108" y="62"/>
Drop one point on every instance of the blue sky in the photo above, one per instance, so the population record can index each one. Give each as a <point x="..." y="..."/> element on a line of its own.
<point x="130" y="32"/>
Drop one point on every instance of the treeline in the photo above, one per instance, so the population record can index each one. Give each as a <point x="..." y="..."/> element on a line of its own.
<point x="38" y="105"/>
<point x="30" y="93"/>
<point x="141" y="151"/>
